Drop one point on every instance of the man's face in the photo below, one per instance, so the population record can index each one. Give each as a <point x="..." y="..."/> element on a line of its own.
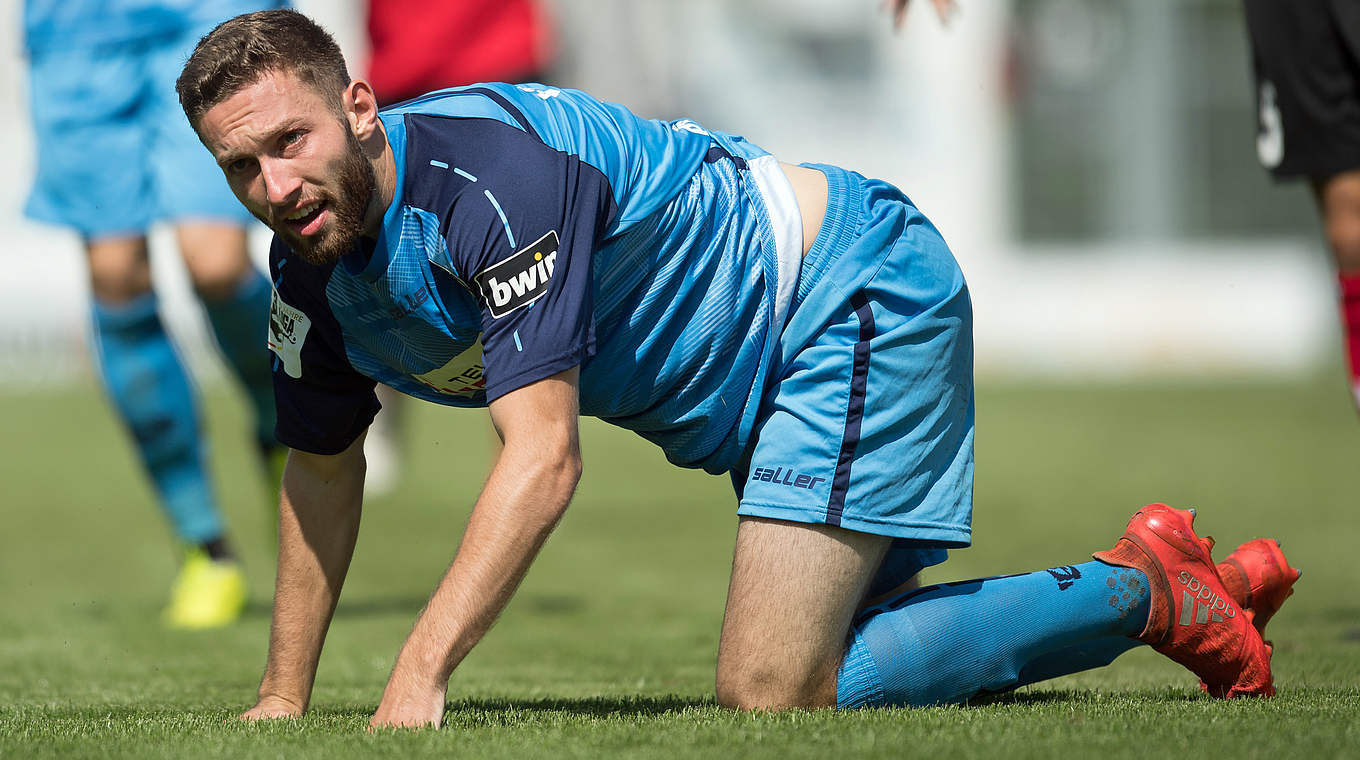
<point x="294" y="163"/>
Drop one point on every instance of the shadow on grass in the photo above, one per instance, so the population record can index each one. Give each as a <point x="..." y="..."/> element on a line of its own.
<point x="542" y="605"/>
<point x="1050" y="696"/>
<point x="467" y="713"/>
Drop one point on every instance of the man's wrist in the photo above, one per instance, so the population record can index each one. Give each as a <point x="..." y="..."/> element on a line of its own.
<point x="283" y="699"/>
<point x="422" y="667"/>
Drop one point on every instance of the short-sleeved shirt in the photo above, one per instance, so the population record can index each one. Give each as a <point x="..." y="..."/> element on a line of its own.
<point x="533" y="230"/>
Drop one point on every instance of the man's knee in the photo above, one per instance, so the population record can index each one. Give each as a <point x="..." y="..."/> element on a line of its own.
<point x="1343" y="237"/>
<point x="216" y="256"/>
<point x="794" y="591"/>
<point x="119" y="269"/>
<point x="1339" y="198"/>
<point x="762" y="683"/>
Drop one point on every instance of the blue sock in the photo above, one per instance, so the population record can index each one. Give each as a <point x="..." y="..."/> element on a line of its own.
<point x="151" y="392"/>
<point x="1087" y="655"/>
<point x="946" y="644"/>
<point x="241" y="324"/>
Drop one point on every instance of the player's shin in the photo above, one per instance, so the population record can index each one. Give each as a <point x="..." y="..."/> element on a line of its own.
<point x="239" y="323"/>
<point x="148" y="385"/>
<point x="946" y="644"/>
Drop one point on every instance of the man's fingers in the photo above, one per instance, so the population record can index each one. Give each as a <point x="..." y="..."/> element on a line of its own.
<point x="272" y="709"/>
<point x="405" y="722"/>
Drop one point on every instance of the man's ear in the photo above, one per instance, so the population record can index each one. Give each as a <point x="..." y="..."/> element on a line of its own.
<point x="361" y="108"/>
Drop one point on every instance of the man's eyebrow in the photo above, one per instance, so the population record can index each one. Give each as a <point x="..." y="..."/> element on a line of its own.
<point x="271" y="135"/>
<point x="227" y="159"/>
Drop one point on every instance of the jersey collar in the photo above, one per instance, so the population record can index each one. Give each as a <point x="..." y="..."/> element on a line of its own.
<point x="369" y="263"/>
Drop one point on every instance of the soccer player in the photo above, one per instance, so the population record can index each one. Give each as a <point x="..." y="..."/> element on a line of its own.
<point x="114" y="156"/>
<point x="1306" y="59"/>
<point x="542" y="253"/>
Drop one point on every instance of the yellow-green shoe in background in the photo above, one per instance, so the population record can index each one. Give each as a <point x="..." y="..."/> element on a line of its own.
<point x="207" y="594"/>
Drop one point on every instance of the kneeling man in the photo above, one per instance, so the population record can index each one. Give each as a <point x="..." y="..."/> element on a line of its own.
<point x="544" y="254"/>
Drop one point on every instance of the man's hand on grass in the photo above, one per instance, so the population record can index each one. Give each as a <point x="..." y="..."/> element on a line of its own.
<point x="271" y="708"/>
<point x="408" y="703"/>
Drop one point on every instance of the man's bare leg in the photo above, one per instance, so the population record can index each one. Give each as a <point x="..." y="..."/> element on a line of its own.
<point x="150" y="389"/>
<point x="1339" y="201"/>
<point x="794" y="592"/>
<point x="786" y="639"/>
<point x="217" y="257"/>
<point x="236" y="297"/>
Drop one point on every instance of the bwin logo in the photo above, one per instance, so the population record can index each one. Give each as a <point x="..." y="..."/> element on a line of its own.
<point x="520" y="279"/>
<point x="1199" y="602"/>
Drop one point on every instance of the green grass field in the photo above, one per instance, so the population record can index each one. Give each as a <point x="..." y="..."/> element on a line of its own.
<point x="608" y="649"/>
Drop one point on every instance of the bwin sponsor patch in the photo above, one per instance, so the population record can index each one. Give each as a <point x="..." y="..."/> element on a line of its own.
<point x="520" y="279"/>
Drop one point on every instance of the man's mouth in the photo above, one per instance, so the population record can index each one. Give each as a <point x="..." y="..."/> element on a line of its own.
<point x="306" y="220"/>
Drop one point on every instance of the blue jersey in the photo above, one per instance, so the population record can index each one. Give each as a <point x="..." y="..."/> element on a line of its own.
<point x="534" y="230"/>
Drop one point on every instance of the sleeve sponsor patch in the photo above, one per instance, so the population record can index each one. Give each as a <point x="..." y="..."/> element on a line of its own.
<point x="519" y="280"/>
<point x="288" y="328"/>
<point x="463" y="375"/>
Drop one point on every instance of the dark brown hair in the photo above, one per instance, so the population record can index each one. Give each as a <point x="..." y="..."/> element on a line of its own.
<point x="243" y="50"/>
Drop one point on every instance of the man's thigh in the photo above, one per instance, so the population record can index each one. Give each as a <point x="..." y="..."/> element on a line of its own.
<point x="870" y="425"/>
<point x="794" y="592"/>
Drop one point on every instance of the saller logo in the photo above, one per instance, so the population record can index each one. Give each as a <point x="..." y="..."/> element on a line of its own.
<point x="520" y="279"/>
<point x="1198" y="602"/>
<point x="785" y="476"/>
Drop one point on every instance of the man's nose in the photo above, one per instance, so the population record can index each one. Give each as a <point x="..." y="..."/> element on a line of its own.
<point x="281" y="185"/>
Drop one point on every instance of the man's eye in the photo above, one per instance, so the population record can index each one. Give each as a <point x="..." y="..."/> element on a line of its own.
<point x="290" y="138"/>
<point x="238" y="166"/>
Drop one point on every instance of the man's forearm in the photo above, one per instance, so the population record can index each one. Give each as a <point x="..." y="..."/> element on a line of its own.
<point x="529" y="489"/>
<point x="318" y="524"/>
<point x="517" y="510"/>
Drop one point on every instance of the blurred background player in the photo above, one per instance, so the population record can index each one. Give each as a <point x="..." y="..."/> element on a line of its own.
<point x="115" y="156"/>
<point x="455" y="43"/>
<point x="1306" y="59"/>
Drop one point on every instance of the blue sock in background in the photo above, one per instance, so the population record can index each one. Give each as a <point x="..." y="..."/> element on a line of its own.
<point x="240" y="324"/>
<point x="948" y="643"/>
<point x="151" y="391"/>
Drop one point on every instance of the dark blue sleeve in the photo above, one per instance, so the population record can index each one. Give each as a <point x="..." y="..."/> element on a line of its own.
<point x="323" y="403"/>
<point x="521" y="220"/>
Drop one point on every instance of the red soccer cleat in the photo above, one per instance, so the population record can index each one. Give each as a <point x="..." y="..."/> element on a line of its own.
<point x="1193" y="619"/>
<point x="1259" y="578"/>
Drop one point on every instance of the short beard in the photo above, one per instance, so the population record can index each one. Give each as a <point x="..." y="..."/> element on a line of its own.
<point x="348" y="207"/>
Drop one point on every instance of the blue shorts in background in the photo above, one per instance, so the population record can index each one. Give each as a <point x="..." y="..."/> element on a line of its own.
<point x="115" y="152"/>
<point x="868" y="421"/>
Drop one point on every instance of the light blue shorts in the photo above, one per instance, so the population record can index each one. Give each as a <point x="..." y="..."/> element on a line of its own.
<point x="868" y="422"/>
<point x="115" y="152"/>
